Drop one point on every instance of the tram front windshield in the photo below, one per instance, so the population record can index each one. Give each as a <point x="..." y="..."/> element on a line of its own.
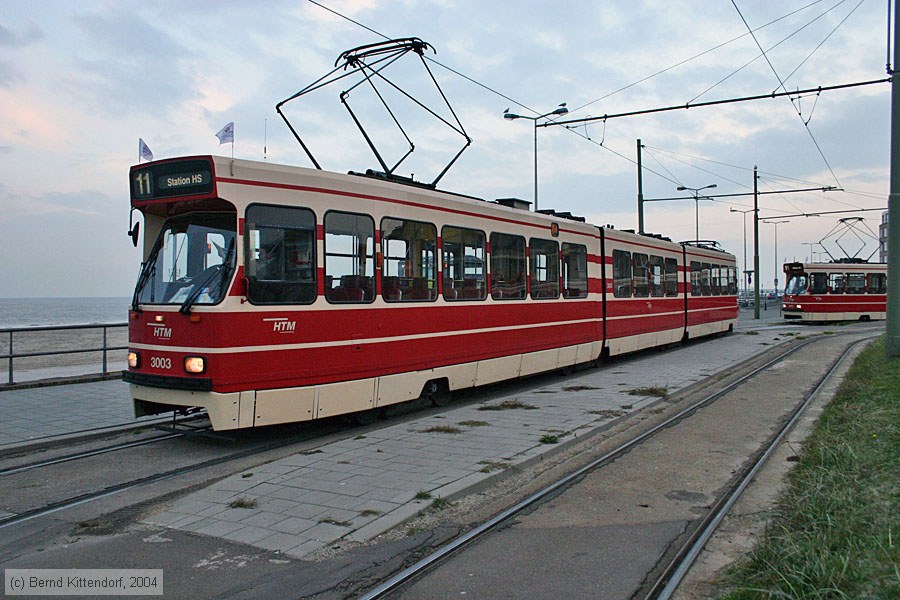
<point x="796" y="284"/>
<point x="191" y="262"/>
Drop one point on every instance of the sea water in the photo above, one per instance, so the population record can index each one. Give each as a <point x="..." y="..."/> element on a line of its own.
<point x="30" y="312"/>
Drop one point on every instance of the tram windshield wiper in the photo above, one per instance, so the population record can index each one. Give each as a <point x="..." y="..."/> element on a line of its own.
<point x="148" y="270"/>
<point x="223" y="270"/>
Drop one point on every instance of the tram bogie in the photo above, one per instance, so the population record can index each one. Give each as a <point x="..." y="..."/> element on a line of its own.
<point x="843" y="290"/>
<point x="273" y="294"/>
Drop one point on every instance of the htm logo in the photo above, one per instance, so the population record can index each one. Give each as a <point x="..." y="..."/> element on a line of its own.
<point x="282" y="325"/>
<point x="162" y="332"/>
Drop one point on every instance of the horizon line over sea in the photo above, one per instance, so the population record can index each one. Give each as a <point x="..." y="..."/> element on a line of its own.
<point x="41" y="312"/>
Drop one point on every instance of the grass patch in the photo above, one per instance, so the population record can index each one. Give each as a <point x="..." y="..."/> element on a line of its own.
<point x="440" y="503"/>
<point x="370" y="512"/>
<point x="422" y="495"/>
<point x="549" y="439"/>
<point x="442" y="429"/>
<point x="659" y="392"/>
<point x="834" y="529"/>
<point x="331" y="521"/>
<point x="607" y="414"/>
<point x="508" y="405"/>
<point x="579" y="388"/>
<point x="751" y="333"/>
<point x="246" y="475"/>
<point x="360" y="437"/>
<point x="243" y="503"/>
<point x="474" y="423"/>
<point x="491" y="466"/>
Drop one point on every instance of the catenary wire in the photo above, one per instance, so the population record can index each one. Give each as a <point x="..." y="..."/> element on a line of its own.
<point x="762" y="54"/>
<point x="584" y="136"/>
<point x="781" y="83"/>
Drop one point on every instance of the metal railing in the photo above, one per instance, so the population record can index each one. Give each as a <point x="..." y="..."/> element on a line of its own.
<point x="104" y="349"/>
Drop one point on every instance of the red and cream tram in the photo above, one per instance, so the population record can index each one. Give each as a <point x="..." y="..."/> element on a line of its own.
<point x="271" y="294"/>
<point x="844" y="290"/>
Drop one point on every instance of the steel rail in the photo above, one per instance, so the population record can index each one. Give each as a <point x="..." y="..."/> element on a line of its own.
<point x="456" y="544"/>
<point x="678" y="567"/>
<point x="87" y="453"/>
<point x="480" y="530"/>
<point x="118" y="488"/>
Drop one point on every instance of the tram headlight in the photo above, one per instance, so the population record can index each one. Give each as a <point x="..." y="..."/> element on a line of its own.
<point x="134" y="360"/>
<point x="194" y="364"/>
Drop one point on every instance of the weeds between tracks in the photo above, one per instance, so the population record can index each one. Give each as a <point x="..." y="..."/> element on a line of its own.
<point x="834" y="531"/>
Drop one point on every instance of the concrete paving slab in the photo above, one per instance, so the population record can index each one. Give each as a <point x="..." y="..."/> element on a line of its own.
<point x="358" y="488"/>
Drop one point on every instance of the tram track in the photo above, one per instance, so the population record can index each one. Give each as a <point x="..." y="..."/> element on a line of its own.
<point x="140" y="482"/>
<point x="675" y="569"/>
<point x="674" y="573"/>
<point x="5" y="472"/>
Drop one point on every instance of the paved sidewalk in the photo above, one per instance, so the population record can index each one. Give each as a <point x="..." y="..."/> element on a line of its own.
<point x="358" y="488"/>
<point x="38" y="414"/>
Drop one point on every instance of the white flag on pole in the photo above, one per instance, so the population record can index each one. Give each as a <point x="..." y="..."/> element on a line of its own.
<point x="144" y="150"/>
<point x="226" y="134"/>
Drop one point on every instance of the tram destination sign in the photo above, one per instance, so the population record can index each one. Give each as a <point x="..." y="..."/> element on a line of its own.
<point x="168" y="180"/>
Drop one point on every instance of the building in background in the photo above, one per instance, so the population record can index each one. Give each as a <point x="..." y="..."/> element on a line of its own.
<point x="883" y="238"/>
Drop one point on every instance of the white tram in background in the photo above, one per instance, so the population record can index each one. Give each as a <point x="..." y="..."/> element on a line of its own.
<point x="843" y="290"/>
<point x="272" y="294"/>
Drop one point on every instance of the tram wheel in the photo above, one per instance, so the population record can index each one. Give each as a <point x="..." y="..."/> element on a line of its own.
<point x="438" y="392"/>
<point x="365" y="417"/>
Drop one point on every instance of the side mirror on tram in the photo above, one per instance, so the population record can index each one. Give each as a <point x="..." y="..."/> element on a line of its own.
<point x="133" y="233"/>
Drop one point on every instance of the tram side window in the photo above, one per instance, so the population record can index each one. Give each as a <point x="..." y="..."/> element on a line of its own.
<point x="819" y="283"/>
<point x="507" y="267"/>
<point x="671" y="281"/>
<point x="856" y="283"/>
<point x="544" y="269"/>
<point x="656" y="276"/>
<point x="836" y="283"/>
<point x="714" y="280"/>
<point x="877" y="283"/>
<point x="409" y="249"/>
<point x="349" y="257"/>
<point x="695" y="279"/>
<point x="574" y="275"/>
<point x="463" y="272"/>
<point x="705" y="287"/>
<point x="732" y="281"/>
<point x="639" y="275"/>
<point x="280" y="255"/>
<point x="621" y="274"/>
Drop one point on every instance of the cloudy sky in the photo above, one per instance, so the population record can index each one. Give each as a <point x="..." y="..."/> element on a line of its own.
<point x="81" y="81"/>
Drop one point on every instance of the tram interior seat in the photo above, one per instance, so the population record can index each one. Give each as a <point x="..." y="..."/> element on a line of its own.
<point x="420" y="290"/>
<point x="390" y="288"/>
<point x="544" y="289"/>
<point x="352" y="288"/>
<point x="282" y="292"/>
<point x="471" y="288"/>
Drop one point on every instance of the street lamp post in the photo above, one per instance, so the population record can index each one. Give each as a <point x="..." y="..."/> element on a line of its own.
<point x="811" y="253"/>
<point x="696" y="193"/>
<point x="560" y="110"/>
<point x="746" y="270"/>
<point x="776" y="224"/>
